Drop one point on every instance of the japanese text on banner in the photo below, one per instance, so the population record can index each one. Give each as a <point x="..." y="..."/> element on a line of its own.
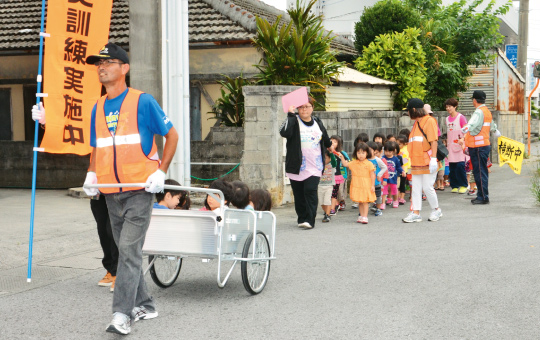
<point x="77" y="28"/>
<point x="511" y="152"/>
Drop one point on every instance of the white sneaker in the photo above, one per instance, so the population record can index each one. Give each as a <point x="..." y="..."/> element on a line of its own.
<point x="412" y="217"/>
<point x="435" y="215"/>
<point x="354" y="205"/>
<point x="120" y="324"/>
<point x="141" y="313"/>
<point x="305" y="225"/>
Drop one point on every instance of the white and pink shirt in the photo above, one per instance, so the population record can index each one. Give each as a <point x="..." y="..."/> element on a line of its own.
<point x="310" y="143"/>
<point x="454" y="125"/>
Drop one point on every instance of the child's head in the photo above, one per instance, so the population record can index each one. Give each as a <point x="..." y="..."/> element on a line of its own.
<point x="402" y="141"/>
<point x="356" y="141"/>
<point x="378" y="137"/>
<point x="240" y="197"/>
<point x="362" y="152"/>
<point x="169" y="197"/>
<point x="444" y="139"/>
<point x="405" y="132"/>
<point x="373" y="147"/>
<point x="363" y="137"/>
<point x="185" y="201"/>
<point x="378" y="151"/>
<point x="226" y="188"/>
<point x="261" y="200"/>
<point x="389" y="149"/>
<point x="390" y="138"/>
<point x="337" y="142"/>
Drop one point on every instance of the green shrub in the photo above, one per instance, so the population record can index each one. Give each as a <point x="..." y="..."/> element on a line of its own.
<point x="398" y="57"/>
<point x="535" y="184"/>
<point x="229" y="108"/>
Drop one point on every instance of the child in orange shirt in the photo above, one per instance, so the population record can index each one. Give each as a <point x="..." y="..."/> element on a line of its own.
<point x="363" y="180"/>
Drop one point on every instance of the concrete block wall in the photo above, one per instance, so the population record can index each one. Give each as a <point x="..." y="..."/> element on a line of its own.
<point x="53" y="171"/>
<point x="351" y="123"/>
<point x="224" y="145"/>
<point x="263" y="159"/>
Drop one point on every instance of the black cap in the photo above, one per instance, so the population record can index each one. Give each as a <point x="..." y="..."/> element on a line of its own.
<point x="109" y="51"/>
<point x="415" y="103"/>
<point x="477" y="94"/>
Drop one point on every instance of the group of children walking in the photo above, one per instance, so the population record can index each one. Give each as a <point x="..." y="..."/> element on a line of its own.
<point x="378" y="172"/>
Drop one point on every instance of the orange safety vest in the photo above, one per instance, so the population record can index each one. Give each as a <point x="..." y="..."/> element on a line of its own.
<point x="418" y="154"/>
<point x="482" y="138"/>
<point x="119" y="157"/>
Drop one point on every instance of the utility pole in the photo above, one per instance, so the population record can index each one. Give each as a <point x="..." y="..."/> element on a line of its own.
<point x="523" y="32"/>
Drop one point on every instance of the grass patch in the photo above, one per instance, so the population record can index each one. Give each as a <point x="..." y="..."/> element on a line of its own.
<point x="535" y="183"/>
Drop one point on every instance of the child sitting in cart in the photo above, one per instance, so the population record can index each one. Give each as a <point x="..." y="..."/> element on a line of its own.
<point x="260" y="200"/>
<point x="211" y="204"/>
<point x="240" y="197"/>
<point x="168" y="199"/>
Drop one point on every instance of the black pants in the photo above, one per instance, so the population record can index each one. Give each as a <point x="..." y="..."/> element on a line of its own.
<point x="457" y="176"/>
<point x="110" y="251"/>
<point x="402" y="183"/>
<point x="306" y="199"/>
<point x="479" y="158"/>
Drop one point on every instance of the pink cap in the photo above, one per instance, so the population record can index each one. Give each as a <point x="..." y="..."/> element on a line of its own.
<point x="427" y="108"/>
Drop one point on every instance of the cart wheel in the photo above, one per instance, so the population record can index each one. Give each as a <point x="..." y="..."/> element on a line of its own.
<point x="255" y="273"/>
<point x="165" y="269"/>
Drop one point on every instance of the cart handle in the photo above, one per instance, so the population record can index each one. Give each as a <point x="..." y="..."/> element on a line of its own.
<point x="212" y="192"/>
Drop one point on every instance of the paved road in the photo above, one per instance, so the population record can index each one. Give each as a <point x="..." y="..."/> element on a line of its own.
<point x="472" y="275"/>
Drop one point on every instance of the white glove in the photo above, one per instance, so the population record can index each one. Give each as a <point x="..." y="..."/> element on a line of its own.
<point x="497" y="133"/>
<point x="91" y="178"/>
<point x="38" y="113"/>
<point x="155" y="182"/>
<point x="433" y="165"/>
<point x="465" y="129"/>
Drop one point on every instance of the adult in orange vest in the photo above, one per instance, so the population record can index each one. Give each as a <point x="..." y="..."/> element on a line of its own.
<point x="477" y="140"/>
<point x="422" y="149"/>
<point x="122" y="130"/>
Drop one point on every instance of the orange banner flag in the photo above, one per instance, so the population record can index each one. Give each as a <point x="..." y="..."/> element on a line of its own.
<point x="77" y="28"/>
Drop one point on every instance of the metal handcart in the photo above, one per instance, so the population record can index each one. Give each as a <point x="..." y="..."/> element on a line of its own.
<point x="230" y="235"/>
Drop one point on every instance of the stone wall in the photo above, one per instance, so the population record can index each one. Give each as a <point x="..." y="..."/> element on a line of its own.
<point x="223" y="145"/>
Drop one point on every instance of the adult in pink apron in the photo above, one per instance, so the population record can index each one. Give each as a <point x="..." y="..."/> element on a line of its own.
<point x="456" y="158"/>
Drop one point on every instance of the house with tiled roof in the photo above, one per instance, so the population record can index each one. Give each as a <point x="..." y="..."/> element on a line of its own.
<point x="220" y="33"/>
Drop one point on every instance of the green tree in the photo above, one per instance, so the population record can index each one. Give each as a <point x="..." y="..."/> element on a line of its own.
<point x="453" y="38"/>
<point x="397" y="57"/>
<point x="385" y="16"/>
<point x="296" y="53"/>
<point x="456" y="37"/>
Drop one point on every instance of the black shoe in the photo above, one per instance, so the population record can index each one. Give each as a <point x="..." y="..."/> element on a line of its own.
<point x="477" y="201"/>
<point x="326" y="218"/>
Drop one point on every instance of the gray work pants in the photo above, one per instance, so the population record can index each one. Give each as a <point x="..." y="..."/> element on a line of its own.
<point x="130" y="216"/>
